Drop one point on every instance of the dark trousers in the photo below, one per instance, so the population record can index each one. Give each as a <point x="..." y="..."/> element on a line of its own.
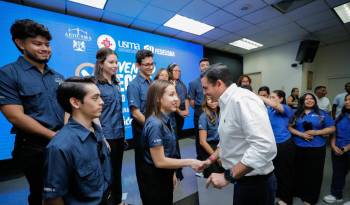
<point x="257" y="190"/>
<point x="136" y="131"/>
<point x="215" y="167"/>
<point x="284" y="170"/>
<point x="309" y="164"/>
<point x="117" y="151"/>
<point x="197" y="113"/>
<point x="179" y="125"/>
<point x="341" y="167"/>
<point x="156" y="185"/>
<point x="30" y="158"/>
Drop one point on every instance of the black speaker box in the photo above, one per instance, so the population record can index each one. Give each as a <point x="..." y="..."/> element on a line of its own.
<point x="307" y="51"/>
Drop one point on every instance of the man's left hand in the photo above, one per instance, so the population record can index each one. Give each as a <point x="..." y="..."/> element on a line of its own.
<point x="217" y="180"/>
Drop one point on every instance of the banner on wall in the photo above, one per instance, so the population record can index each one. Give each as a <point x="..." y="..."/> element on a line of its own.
<point x="74" y="45"/>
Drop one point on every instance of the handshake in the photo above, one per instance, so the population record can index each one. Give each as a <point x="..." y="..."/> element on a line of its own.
<point x="199" y="166"/>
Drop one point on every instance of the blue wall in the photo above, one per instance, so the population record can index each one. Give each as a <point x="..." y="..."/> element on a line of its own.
<point x="74" y="45"/>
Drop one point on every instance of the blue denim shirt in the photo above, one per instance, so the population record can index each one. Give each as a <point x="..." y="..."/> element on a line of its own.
<point x="343" y="131"/>
<point x="23" y="84"/>
<point x="111" y="118"/>
<point x="158" y="132"/>
<point x="181" y="91"/>
<point x="195" y="92"/>
<point x="319" y="121"/>
<point x="211" y="128"/>
<point x="279" y="123"/>
<point x="77" y="165"/>
<point x="137" y="93"/>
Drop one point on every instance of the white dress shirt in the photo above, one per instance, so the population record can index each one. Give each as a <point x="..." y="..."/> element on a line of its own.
<point x="245" y="131"/>
<point x="324" y="104"/>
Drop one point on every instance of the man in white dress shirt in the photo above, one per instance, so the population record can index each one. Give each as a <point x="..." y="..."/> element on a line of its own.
<point x="322" y="101"/>
<point x="247" y="144"/>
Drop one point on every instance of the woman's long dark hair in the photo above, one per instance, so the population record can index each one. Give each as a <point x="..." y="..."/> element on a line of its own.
<point x="343" y="111"/>
<point x="300" y="112"/>
<point x="281" y="94"/>
<point x="155" y="92"/>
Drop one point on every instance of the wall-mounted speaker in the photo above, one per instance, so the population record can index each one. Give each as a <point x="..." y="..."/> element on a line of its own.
<point x="307" y="51"/>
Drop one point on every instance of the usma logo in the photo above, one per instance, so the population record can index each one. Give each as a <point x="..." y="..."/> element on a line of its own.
<point x="106" y="41"/>
<point x="149" y="47"/>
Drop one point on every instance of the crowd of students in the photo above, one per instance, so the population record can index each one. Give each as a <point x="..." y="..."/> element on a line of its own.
<point x="70" y="133"/>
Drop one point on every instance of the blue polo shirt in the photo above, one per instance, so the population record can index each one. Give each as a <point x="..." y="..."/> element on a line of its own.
<point x="77" y="165"/>
<point x="23" y="84"/>
<point x="137" y="93"/>
<point x="211" y="128"/>
<point x="111" y="118"/>
<point x="181" y="91"/>
<point x="319" y="121"/>
<point x="195" y="92"/>
<point x="279" y="122"/>
<point x="343" y="131"/>
<point x="158" y="132"/>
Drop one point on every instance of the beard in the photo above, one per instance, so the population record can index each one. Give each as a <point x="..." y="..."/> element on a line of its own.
<point x="35" y="59"/>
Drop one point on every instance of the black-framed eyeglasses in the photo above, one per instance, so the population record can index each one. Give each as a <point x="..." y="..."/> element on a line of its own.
<point x="148" y="64"/>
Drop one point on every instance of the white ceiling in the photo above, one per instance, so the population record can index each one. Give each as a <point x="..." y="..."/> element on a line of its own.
<point x="259" y="22"/>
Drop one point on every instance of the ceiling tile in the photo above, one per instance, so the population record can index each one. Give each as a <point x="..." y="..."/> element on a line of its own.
<point x="215" y="33"/>
<point x="55" y="5"/>
<point x="155" y="15"/>
<point x="167" y="31"/>
<point x="244" y="7"/>
<point x="338" y="39"/>
<point x="275" y="22"/>
<point x="114" y="18"/>
<point x="132" y="8"/>
<point x="235" y="25"/>
<point x="335" y="3"/>
<point x="202" y="40"/>
<point x="262" y="15"/>
<point x="186" y="36"/>
<point x="216" y="44"/>
<point x="144" y="25"/>
<point x="230" y="38"/>
<point x="219" y="3"/>
<point x="76" y="9"/>
<point x="197" y="9"/>
<point x="308" y="10"/>
<point x="218" y="18"/>
<point x="249" y="31"/>
<point x="174" y="6"/>
<point x="316" y="18"/>
<point x="323" y="25"/>
<point x="331" y="32"/>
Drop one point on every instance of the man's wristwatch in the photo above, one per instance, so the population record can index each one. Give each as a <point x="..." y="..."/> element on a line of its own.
<point x="229" y="177"/>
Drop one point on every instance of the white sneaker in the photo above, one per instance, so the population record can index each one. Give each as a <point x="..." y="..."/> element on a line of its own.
<point x="331" y="199"/>
<point x="347" y="203"/>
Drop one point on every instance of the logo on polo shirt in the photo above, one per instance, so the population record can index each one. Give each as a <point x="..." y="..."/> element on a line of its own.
<point x="106" y="41"/>
<point x="79" y="38"/>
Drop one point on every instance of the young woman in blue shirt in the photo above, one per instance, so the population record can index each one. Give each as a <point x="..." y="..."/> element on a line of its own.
<point x="310" y="127"/>
<point x="158" y="140"/>
<point x="340" y="144"/>
<point x="280" y="115"/>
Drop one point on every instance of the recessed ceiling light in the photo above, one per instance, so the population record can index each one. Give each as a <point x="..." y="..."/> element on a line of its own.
<point x="246" y="44"/>
<point x="343" y="12"/>
<point x="183" y="23"/>
<point x="100" y="4"/>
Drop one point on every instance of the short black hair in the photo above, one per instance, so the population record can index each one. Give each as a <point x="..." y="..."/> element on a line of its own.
<point x="264" y="88"/>
<point x="203" y="60"/>
<point x="142" y="54"/>
<point x="217" y="72"/>
<point x="27" y="28"/>
<point x="319" y="87"/>
<point x="73" y="87"/>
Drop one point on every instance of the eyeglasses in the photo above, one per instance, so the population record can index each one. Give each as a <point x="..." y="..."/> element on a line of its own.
<point x="148" y="64"/>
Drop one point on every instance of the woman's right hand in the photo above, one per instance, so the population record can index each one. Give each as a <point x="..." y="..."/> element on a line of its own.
<point x="307" y="137"/>
<point x="197" y="166"/>
<point x="336" y="150"/>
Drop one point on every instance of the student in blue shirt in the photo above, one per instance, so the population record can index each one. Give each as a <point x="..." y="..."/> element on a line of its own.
<point x="208" y="133"/>
<point x="111" y="118"/>
<point x="77" y="168"/>
<point x="158" y="139"/>
<point x="196" y="96"/>
<point x="310" y="127"/>
<point x="280" y="115"/>
<point x="28" y="101"/>
<point x="340" y="144"/>
<point x="136" y="94"/>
